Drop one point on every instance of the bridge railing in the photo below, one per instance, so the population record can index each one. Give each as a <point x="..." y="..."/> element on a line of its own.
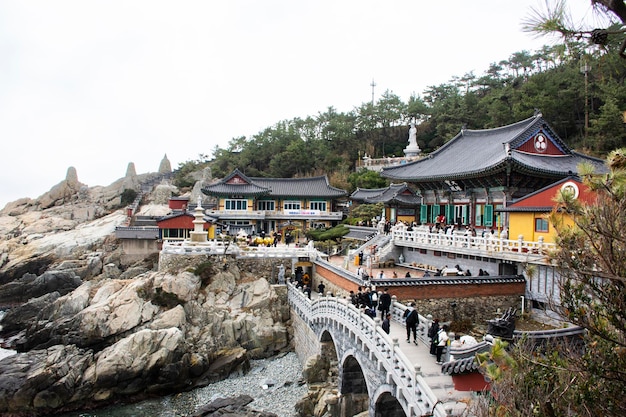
<point x="487" y="243"/>
<point x="410" y="388"/>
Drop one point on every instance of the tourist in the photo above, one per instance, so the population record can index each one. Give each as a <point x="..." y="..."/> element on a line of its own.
<point x="408" y="275"/>
<point x="381" y="275"/>
<point x="468" y="340"/>
<point x="373" y="299"/>
<point x="411" y="319"/>
<point x="321" y="288"/>
<point x="386" y="325"/>
<point x="384" y="303"/>
<point x="441" y="221"/>
<point x="456" y="343"/>
<point x="369" y="311"/>
<point x="432" y="334"/>
<point x="353" y="298"/>
<point x="364" y="298"/>
<point x="395" y="275"/>
<point x="442" y="342"/>
<point x="307" y="291"/>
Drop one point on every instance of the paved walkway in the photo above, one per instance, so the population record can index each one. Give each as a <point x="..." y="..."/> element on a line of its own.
<point x="388" y="272"/>
<point x="441" y="384"/>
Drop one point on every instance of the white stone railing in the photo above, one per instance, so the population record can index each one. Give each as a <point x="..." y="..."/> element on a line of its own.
<point x="410" y="388"/>
<point x="277" y="252"/>
<point x="221" y="247"/>
<point x="210" y="247"/>
<point x="485" y="244"/>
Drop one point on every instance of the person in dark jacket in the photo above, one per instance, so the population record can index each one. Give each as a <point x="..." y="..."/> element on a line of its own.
<point x="432" y="334"/>
<point x="386" y="325"/>
<point x="411" y="319"/>
<point x="384" y="303"/>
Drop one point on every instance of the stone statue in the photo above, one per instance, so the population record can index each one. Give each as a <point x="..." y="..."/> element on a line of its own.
<point x="412" y="135"/>
<point x="281" y="274"/>
<point x="503" y="326"/>
<point x="413" y="149"/>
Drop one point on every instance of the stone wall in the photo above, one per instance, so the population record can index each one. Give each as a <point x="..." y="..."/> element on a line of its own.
<point x="261" y="267"/>
<point x="137" y="249"/>
<point x="440" y="259"/>
<point x="477" y="310"/>
<point x="304" y="339"/>
<point x="476" y="302"/>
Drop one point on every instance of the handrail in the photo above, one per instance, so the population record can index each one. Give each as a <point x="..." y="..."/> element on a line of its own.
<point x="561" y="332"/>
<point x="488" y="244"/>
<point x="407" y="378"/>
<point x="378" y="241"/>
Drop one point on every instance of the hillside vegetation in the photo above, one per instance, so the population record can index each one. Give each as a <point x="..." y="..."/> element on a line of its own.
<point x="586" y="111"/>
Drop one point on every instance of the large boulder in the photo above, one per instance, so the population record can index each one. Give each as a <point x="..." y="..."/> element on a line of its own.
<point x="30" y="285"/>
<point x="147" y="358"/>
<point x="231" y="407"/>
<point x="42" y="380"/>
<point x="25" y="315"/>
<point x="161" y="331"/>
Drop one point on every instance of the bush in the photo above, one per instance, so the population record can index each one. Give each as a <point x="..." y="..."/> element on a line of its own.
<point x="205" y="271"/>
<point x="128" y="196"/>
<point x="335" y="234"/>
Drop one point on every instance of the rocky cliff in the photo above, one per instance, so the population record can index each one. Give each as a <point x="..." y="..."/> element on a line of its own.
<point x="90" y="330"/>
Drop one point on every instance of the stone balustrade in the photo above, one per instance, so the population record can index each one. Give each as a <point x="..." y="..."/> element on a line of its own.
<point x="486" y="245"/>
<point x="222" y="247"/>
<point x="366" y="338"/>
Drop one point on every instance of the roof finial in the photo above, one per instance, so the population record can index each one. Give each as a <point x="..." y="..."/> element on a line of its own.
<point x="537" y="113"/>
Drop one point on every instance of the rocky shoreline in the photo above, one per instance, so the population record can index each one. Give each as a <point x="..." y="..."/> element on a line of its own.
<point x="92" y="329"/>
<point x="274" y="386"/>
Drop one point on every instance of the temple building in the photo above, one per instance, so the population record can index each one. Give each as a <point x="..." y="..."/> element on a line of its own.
<point x="400" y="201"/>
<point x="265" y="205"/>
<point x="478" y="172"/>
<point x="528" y="216"/>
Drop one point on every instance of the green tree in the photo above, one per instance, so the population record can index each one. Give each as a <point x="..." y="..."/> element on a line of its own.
<point x="560" y="380"/>
<point x="365" y="212"/>
<point x="366" y="179"/>
<point x="607" y="126"/>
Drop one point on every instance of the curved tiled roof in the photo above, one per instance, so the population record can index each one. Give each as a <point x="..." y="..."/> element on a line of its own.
<point x="244" y="186"/>
<point x="361" y="194"/>
<point x="475" y="153"/>
<point x="274" y="187"/>
<point x="460" y="366"/>
<point x="395" y="193"/>
<point x="299" y="187"/>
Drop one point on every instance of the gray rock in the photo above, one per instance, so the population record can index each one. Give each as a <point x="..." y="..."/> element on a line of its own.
<point x="231" y="407"/>
<point x="25" y="315"/>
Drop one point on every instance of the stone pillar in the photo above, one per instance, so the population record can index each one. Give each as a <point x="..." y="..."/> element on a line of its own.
<point x="198" y="234"/>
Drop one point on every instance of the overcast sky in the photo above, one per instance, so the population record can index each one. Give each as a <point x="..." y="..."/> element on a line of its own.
<point x="98" y="84"/>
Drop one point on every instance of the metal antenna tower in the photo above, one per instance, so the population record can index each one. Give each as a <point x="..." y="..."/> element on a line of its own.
<point x="373" y="84"/>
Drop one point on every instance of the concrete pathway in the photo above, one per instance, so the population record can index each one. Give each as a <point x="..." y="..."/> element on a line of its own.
<point x="441" y="384"/>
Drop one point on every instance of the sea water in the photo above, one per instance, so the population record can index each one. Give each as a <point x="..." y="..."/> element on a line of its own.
<point x="4" y="352"/>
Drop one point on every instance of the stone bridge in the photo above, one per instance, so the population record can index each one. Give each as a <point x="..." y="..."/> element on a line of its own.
<point x="374" y="372"/>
